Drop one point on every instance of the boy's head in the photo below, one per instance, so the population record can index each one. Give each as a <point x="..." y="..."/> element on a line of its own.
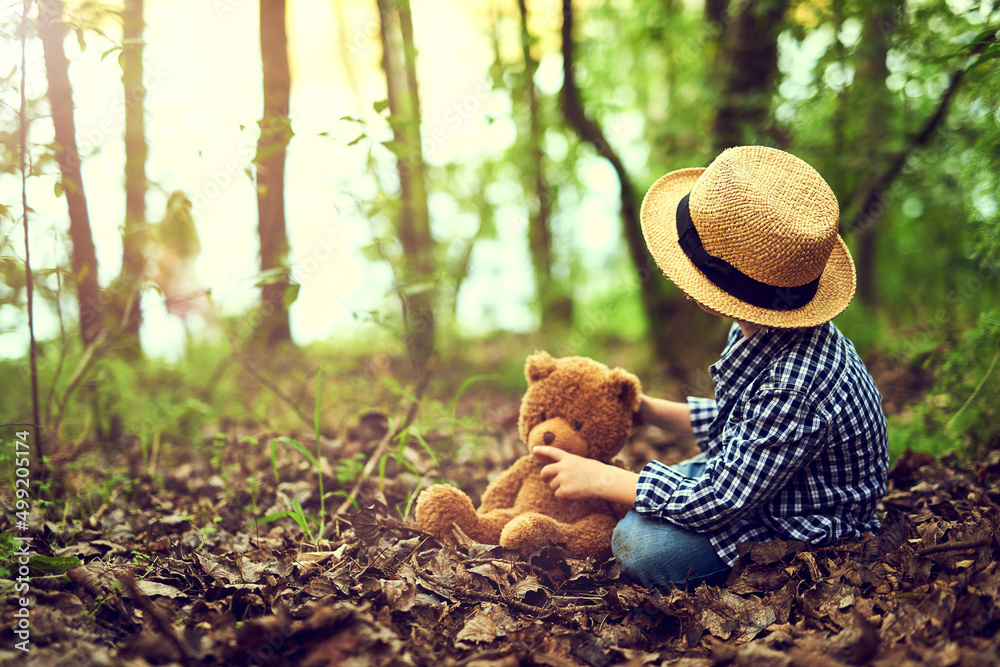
<point x="752" y="237"/>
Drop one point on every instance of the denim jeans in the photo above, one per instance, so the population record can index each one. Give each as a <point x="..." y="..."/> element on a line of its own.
<point x="661" y="554"/>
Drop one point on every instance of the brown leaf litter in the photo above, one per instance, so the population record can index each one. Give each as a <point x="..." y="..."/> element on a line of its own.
<point x="154" y="589"/>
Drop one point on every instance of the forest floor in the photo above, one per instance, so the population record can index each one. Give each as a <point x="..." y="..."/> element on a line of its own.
<point x="172" y="572"/>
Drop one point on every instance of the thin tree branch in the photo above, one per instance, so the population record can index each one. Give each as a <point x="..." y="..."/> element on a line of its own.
<point x="63" y="351"/>
<point x="872" y="193"/>
<point x="587" y="128"/>
<point x="383" y="445"/>
<point x="975" y="392"/>
<point x="275" y="389"/>
<point x="955" y="546"/>
<point x="38" y="449"/>
<point x="92" y="353"/>
<point x="658" y="306"/>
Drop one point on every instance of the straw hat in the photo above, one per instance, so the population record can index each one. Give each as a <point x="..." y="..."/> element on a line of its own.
<point x="753" y="236"/>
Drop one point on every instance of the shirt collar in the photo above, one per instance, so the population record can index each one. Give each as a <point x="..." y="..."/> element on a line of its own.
<point x="744" y="357"/>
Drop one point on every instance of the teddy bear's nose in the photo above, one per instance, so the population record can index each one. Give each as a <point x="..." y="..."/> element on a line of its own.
<point x="548" y="437"/>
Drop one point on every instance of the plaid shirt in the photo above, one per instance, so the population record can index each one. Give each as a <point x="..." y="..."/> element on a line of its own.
<point x="795" y="441"/>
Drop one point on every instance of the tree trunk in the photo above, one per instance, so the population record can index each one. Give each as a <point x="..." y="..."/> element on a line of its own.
<point x="868" y="92"/>
<point x="134" y="247"/>
<point x="717" y="17"/>
<point x="750" y="68"/>
<point x="716" y="14"/>
<point x="415" y="277"/>
<point x="52" y="31"/>
<point x="556" y="308"/>
<point x="658" y="306"/>
<point x="275" y="133"/>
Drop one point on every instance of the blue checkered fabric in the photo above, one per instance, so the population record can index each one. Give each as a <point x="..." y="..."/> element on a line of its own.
<point x="795" y="440"/>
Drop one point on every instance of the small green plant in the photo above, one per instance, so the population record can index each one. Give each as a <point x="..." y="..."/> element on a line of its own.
<point x="219" y="443"/>
<point x="99" y="601"/>
<point x="8" y="545"/>
<point x="449" y="421"/>
<point x="207" y="531"/>
<point x="144" y="562"/>
<point x="959" y="413"/>
<point x="349" y="469"/>
<point x="297" y="513"/>
<point x="253" y="486"/>
<point x="37" y="565"/>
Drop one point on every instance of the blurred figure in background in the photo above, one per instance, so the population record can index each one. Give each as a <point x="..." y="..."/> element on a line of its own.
<point x="173" y="250"/>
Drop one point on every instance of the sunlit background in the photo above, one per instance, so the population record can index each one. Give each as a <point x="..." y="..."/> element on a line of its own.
<point x="202" y="70"/>
<point x="202" y="74"/>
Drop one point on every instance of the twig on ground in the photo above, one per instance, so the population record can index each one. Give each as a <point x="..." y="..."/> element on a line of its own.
<point x="383" y="445"/>
<point x="141" y="599"/>
<point x="389" y="522"/>
<point x="955" y="546"/>
<point x="524" y="607"/>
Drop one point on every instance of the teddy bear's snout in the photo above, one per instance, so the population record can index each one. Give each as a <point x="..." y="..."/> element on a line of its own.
<point x="557" y="432"/>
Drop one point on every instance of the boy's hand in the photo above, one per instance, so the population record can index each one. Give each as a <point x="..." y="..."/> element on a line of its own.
<point x="577" y="478"/>
<point x="570" y="475"/>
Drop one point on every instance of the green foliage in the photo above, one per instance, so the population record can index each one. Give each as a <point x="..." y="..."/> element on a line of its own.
<point x="298" y="514"/>
<point x="38" y="566"/>
<point x="961" y="413"/>
<point x="649" y="75"/>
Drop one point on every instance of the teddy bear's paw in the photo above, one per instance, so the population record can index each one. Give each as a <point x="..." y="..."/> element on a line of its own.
<point x="530" y="532"/>
<point x="440" y="505"/>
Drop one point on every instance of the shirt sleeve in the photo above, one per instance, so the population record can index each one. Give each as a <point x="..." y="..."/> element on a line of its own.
<point x="780" y="433"/>
<point x="703" y="413"/>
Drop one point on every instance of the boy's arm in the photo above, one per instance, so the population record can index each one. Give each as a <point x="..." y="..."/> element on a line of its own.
<point x="703" y="412"/>
<point x="692" y="417"/>
<point x="668" y="415"/>
<point x="779" y="435"/>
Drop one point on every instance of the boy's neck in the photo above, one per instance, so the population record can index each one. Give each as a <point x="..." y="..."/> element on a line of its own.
<point x="748" y="328"/>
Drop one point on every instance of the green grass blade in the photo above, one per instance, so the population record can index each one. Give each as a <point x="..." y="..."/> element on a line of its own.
<point x="318" y="407"/>
<point x="299" y="447"/>
<point x="469" y="381"/>
<point x="274" y="459"/>
<point x="272" y="517"/>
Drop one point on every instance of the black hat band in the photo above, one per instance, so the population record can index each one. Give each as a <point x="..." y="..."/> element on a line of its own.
<point x="731" y="280"/>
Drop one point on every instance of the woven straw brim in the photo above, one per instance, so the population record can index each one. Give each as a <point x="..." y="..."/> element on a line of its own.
<point x="659" y="226"/>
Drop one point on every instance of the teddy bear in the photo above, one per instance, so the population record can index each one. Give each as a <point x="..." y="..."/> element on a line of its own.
<point x="576" y="404"/>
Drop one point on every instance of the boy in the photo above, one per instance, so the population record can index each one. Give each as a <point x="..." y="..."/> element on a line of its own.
<point x="794" y="445"/>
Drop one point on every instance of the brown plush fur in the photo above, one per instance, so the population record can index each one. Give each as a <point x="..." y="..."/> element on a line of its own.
<point x="573" y="403"/>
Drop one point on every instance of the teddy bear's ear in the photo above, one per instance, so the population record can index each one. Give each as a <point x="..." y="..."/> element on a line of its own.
<point x="539" y="366"/>
<point x="625" y="387"/>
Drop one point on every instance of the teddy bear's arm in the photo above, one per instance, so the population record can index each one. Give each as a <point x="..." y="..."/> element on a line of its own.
<point x="502" y="492"/>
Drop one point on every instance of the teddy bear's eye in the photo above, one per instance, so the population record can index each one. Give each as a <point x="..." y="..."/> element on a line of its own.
<point x="577" y="425"/>
<point x="544" y="417"/>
